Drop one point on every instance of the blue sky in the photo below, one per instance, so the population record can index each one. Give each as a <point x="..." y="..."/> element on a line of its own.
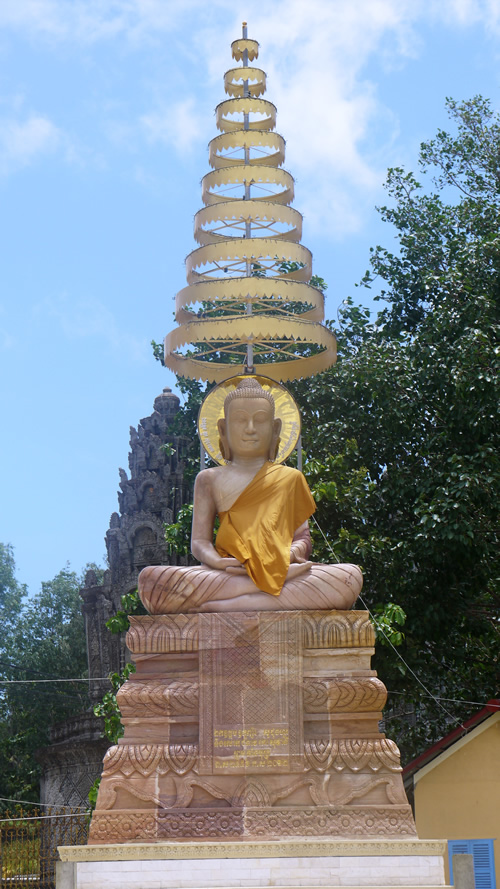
<point x="106" y="109"/>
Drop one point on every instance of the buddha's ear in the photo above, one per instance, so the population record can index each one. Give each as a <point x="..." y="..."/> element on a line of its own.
<point x="223" y="443"/>
<point x="275" y="441"/>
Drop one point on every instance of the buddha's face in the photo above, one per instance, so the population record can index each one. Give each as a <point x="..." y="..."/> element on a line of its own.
<point x="249" y="429"/>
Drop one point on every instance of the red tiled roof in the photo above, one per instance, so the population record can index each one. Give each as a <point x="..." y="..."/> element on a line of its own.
<point x="492" y="706"/>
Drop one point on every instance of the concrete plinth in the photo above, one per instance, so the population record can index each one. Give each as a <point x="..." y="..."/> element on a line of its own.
<point x="224" y="865"/>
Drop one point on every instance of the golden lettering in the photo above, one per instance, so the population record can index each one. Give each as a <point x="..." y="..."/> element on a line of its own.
<point x="251" y="747"/>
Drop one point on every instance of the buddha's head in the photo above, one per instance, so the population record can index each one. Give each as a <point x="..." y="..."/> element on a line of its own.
<point x="249" y="428"/>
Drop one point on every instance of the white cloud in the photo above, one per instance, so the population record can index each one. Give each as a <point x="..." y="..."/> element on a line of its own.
<point x="340" y="136"/>
<point x="317" y="55"/>
<point x="88" y="21"/>
<point x="178" y="126"/>
<point x="7" y="341"/>
<point x="121" y="133"/>
<point x="31" y="15"/>
<point x="464" y="13"/>
<point x="91" y="319"/>
<point x="23" y="141"/>
<point x="62" y="20"/>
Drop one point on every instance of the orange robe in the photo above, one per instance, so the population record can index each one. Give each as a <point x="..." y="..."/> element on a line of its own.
<point x="258" y="528"/>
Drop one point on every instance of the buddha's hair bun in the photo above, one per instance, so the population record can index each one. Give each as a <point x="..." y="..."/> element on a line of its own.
<point x="249" y="388"/>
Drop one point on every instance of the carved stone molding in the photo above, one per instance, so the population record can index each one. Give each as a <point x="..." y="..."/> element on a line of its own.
<point x="320" y="629"/>
<point x="344" y="694"/>
<point x="144" y="791"/>
<point x="251" y="791"/>
<point x="252" y="823"/>
<point x="122" y="827"/>
<point x="337" y="629"/>
<point x="146" y="759"/>
<point x="353" y="754"/>
<point x="163" y="634"/>
<point x="307" y="848"/>
<point x="146" y="698"/>
<point x="332" y="821"/>
<point x="161" y="790"/>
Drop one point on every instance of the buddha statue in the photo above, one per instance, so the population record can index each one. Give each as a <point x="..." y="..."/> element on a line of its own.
<point x="260" y="560"/>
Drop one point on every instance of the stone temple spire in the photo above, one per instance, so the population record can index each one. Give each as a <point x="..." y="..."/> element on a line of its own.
<point x="248" y="306"/>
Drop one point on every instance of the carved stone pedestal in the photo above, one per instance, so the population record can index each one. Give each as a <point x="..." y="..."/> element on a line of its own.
<point x="247" y="726"/>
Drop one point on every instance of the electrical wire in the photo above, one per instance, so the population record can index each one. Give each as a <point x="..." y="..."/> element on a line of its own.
<point x="494" y="706"/>
<point x="26" y="802"/>
<point x="33" y="681"/>
<point x="428" y="693"/>
<point x="44" y="817"/>
<point x="106" y="679"/>
<point x="384" y="634"/>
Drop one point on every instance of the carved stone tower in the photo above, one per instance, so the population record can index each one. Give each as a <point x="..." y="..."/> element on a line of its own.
<point x="149" y="498"/>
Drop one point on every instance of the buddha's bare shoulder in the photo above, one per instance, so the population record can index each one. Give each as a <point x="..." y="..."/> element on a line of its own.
<point x="223" y="485"/>
<point x="209" y="481"/>
<point x="206" y="478"/>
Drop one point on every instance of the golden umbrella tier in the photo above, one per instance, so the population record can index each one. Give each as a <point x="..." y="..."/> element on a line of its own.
<point x="256" y="82"/>
<point x="232" y="293"/>
<point x="291" y="349"/>
<point x="282" y="222"/>
<point x="265" y="256"/>
<point x="267" y="182"/>
<point x="248" y="306"/>
<point x="266" y="149"/>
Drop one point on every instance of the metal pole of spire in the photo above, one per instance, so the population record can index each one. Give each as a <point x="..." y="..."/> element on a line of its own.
<point x="248" y="224"/>
<point x="299" y="453"/>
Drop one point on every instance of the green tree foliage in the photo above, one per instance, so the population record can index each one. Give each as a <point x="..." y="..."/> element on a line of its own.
<point x="402" y="435"/>
<point x="12" y="592"/>
<point x="178" y="534"/>
<point x="108" y="708"/>
<point x="42" y="638"/>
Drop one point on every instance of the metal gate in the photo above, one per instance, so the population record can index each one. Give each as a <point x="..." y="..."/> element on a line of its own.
<point x="28" y="844"/>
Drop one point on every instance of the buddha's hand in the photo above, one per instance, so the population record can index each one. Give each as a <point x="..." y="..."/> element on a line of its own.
<point x="211" y="559"/>
<point x="238" y="568"/>
<point x="231" y="566"/>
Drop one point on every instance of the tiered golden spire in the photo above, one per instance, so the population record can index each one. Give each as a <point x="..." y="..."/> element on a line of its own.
<point x="248" y="299"/>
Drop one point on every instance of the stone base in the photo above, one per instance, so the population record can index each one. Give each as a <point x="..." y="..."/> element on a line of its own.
<point x="253" y="823"/>
<point x="251" y="725"/>
<point x="302" y="863"/>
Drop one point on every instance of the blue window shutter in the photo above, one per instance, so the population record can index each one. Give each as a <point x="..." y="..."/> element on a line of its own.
<point x="482" y="855"/>
<point x="484" y="864"/>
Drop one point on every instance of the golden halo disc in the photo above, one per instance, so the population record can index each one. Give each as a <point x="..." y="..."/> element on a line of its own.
<point x="212" y="410"/>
